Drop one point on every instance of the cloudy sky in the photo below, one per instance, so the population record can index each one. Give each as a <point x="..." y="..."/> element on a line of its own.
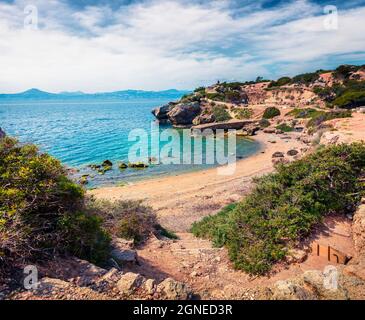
<point x="101" y="45"/>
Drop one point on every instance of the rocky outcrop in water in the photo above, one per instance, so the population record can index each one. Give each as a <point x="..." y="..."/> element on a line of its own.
<point x="184" y="113"/>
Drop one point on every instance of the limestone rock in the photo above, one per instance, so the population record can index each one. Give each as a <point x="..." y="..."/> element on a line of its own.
<point x="129" y="282"/>
<point x="289" y="290"/>
<point x="122" y="251"/>
<point x="204" y="118"/>
<point x="161" y="112"/>
<point x="173" y="290"/>
<point x="278" y="155"/>
<point x="296" y="255"/>
<point x="184" y="113"/>
<point x="149" y="286"/>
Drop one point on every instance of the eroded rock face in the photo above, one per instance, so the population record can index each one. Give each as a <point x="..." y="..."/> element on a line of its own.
<point x="203" y="119"/>
<point x="2" y="133"/>
<point x="161" y="112"/>
<point x="184" y="113"/>
<point x="358" y="230"/>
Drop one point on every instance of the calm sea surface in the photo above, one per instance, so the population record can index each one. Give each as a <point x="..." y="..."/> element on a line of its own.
<point x="89" y="132"/>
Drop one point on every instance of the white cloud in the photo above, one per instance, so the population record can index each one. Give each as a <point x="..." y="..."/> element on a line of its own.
<point x="161" y="44"/>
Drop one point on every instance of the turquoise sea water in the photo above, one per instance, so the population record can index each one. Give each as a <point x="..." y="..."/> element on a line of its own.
<point x="81" y="133"/>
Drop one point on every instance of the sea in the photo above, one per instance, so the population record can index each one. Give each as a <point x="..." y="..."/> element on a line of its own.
<point x="83" y="132"/>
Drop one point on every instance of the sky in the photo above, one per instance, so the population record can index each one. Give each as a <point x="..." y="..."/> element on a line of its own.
<point x="101" y="45"/>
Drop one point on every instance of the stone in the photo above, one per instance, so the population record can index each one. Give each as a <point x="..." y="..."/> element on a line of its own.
<point x="161" y="112"/>
<point x="355" y="270"/>
<point x="130" y="282"/>
<point x="289" y="290"/>
<point x="278" y="155"/>
<point x="149" y="286"/>
<point x="2" y="134"/>
<point x="269" y="130"/>
<point x="184" y="113"/>
<point x="122" y="252"/>
<point x="314" y="278"/>
<point x="173" y="290"/>
<point x="107" y="163"/>
<point x="204" y="118"/>
<point x="122" y="165"/>
<point x="296" y="256"/>
<point x="292" y="153"/>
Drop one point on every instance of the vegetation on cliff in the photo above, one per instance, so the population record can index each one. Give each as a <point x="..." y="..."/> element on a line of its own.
<point x="44" y="214"/>
<point x="41" y="210"/>
<point x="286" y="205"/>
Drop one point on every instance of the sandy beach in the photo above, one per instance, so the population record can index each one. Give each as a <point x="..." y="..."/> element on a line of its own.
<point x="182" y="199"/>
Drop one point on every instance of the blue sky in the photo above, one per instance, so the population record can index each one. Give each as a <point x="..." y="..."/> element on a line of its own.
<point x="101" y="45"/>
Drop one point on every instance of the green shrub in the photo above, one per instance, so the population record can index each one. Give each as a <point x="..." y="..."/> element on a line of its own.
<point x="280" y="82"/>
<point x="320" y="117"/>
<point x="306" y="78"/>
<point x="305" y="113"/>
<point x="271" y="112"/>
<point x="285" y="206"/>
<point x="126" y="219"/>
<point x="221" y="114"/>
<point x="245" y="113"/>
<point x="284" y="127"/>
<point x="264" y="123"/>
<point x="41" y="210"/>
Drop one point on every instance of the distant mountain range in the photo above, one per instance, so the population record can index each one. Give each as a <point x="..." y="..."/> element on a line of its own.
<point x="35" y="94"/>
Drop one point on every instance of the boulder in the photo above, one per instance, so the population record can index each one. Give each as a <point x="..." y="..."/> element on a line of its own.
<point x="149" y="286"/>
<point x="292" y="153"/>
<point x="278" y="154"/>
<point x="2" y="134"/>
<point x="130" y="282"/>
<point x="296" y="256"/>
<point x="289" y="290"/>
<point x="269" y="130"/>
<point x="203" y="119"/>
<point x="122" y="252"/>
<point x="161" y="112"/>
<point x="173" y="290"/>
<point x="184" y="113"/>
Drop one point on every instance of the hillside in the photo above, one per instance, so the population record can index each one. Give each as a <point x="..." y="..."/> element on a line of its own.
<point x="343" y="87"/>
<point x="275" y="229"/>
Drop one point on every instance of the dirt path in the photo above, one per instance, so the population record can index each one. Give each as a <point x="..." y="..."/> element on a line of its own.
<point x="181" y="200"/>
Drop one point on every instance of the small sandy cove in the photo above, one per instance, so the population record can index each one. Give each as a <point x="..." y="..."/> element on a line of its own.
<point x="182" y="199"/>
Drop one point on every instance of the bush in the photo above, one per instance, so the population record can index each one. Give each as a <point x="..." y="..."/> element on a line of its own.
<point x="41" y="210"/>
<point x="245" y="113"/>
<point x="271" y="112"/>
<point x="221" y="114"/>
<point x="264" y="123"/>
<point x="284" y="127"/>
<point x="280" y="82"/>
<point x="127" y="219"/>
<point x="318" y="118"/>
<point x="285" y="206"/>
